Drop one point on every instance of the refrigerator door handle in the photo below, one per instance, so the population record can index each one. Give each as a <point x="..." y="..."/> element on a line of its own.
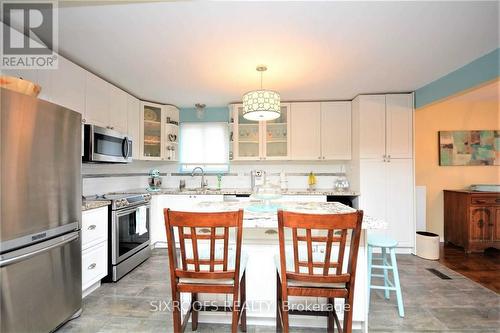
<point x="27" y="253"/>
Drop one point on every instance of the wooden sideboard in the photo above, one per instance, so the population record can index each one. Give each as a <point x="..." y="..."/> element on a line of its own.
<point x="472" y="219"/>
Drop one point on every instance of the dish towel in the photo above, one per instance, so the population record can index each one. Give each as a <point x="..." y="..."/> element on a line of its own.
<point x="141" y="221"/>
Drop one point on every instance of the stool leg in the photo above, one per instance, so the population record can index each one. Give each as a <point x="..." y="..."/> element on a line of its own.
<point x="386" y="274"/>
<point x="369" y="279"/>
<point x="399" y="295"/>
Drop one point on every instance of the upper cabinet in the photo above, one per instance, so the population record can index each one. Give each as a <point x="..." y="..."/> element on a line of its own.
<point x="385" y="126"/>
<point x="305" y="133"/>
<point x="97" y="100"/>
<point x="321" y="131"/>
<point x="117" y="109"/>
<point x="255" y="141"/>
<point x="159" y="131"/>
<point x="133" y="125"/>
<point x="67" y="86"/>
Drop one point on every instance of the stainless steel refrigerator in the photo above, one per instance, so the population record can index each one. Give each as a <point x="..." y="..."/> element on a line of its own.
<point x="40" y="245"/>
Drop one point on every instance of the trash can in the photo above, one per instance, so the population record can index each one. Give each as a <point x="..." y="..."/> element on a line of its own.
<point x="427" y="245"/>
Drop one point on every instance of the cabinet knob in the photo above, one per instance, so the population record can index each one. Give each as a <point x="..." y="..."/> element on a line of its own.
<point x="319" y="158"/>
<point x="323" y="157"/>
<point x="92" y="266"/>
<point x="91" y="227"/>
<point x="84" y="120"/>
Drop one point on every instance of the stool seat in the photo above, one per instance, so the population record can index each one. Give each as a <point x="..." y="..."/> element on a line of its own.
<point x="382" y="241"/>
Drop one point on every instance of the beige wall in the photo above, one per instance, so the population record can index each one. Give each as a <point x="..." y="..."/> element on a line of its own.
<point x="473" y="110"/>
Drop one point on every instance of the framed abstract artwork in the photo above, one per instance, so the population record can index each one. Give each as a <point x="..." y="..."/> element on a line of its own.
<point x="469" y="147"/>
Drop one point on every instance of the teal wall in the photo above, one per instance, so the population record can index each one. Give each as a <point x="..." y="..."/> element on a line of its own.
<point x="212" y="114"/>
<point x="481" y="70"/>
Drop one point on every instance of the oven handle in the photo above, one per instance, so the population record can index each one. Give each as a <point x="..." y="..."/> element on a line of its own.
<point x="127" y="211"/>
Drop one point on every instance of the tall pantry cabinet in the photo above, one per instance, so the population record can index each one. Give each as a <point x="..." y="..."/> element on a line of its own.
<point x="383" y="132"/>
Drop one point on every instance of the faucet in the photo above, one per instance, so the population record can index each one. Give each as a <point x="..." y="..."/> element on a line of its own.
<point x="204" y="183"/>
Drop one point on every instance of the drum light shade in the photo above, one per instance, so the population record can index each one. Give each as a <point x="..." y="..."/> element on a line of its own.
<point x="261" y="105"/>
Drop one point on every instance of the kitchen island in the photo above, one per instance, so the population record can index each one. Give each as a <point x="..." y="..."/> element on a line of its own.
<point x="260" y="243"/>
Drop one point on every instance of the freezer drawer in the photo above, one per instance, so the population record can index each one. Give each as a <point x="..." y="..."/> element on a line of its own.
<point x="41" y="285"/>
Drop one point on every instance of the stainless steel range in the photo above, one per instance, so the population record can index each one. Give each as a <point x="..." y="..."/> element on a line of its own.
<point x="128" y="233"/>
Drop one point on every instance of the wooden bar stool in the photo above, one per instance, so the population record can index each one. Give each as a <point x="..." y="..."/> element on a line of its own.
<point x="205" y="270"/>
<point x="311" y="277"/>
<point x="386" y="244"/>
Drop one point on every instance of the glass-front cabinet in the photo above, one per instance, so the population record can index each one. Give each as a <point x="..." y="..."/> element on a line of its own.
<point x="159" y="132"/>
<point x="260" y="140"/>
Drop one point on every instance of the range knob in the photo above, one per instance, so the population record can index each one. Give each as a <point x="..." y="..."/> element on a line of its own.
<point x="146" y="197"/>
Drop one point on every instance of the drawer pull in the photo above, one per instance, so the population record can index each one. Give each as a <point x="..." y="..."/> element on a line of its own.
<point x="271" y="232"/>
<point x="480" y="201"/>
<point x="92" y="266"/>
<point x="92" y="227"/>
<point x="205" y="231"/>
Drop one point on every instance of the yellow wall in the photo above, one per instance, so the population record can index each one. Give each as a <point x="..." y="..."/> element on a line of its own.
<point x="473" y="110"/>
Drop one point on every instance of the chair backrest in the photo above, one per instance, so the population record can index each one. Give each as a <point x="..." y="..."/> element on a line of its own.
<point x="193" y="263"/>
<point x="333" y="229"/>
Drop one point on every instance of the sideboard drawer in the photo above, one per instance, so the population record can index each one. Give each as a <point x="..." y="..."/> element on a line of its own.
<point x="482" y="201"/>
<point x="94" y="226"/>
<point x="94" y="264"/>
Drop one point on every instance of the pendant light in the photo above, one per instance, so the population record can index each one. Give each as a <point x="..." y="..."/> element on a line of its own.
<point x="261" y="105"/>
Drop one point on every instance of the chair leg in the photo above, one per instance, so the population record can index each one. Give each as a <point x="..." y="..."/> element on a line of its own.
<point x="348" y="316"/>
<point x="399" y="295"/>
<point x="176" y="312"/>
<point x="234" y="323"/>
<point x="278" y="302"/>
<point x="331" y="320"/>
<point x="386" y="274"/>
<point x="194" y="313"/>
<point x="243" y="309"/>
<point x="369" y="275"/>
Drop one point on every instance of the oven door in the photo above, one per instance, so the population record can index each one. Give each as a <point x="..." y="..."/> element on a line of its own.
<point x="106" y="145"/>
<point x="129" y="232"/>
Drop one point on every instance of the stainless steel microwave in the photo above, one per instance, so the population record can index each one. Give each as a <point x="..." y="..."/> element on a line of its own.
<point x="105" y="145"/>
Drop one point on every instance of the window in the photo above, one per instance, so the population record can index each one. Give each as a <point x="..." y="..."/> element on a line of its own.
<point x="205" y="145"/>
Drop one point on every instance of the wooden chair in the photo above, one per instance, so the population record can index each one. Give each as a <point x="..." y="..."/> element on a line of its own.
<point x="311" y="276"/>
<point x="202" y="271"/>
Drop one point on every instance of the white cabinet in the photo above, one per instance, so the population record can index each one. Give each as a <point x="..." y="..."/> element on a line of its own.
<point x="134" y="125"/>
<point x="336" y="130"/>
<point x="94" y="248"/>
<point x="305" y="133"/>
<point x="387" y="192"/>
<point x="96" y="100"/>
<point x="265" y="140"/>
<point x="321" y="131"/>
<point x="68" y="86"/>
<point x="386" y="126"/>
<point x="117" y="109"/>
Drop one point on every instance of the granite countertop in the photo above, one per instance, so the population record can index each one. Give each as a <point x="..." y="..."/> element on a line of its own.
<point x="256" y="217"/>
<point x="174" y="191"/>
<point x="93" y="204"/>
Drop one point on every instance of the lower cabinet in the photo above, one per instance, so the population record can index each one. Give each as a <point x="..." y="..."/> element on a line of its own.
<point x="94" y="248"/>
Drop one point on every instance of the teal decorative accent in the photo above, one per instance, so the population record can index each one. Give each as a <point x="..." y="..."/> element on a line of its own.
<point x="212" y="114"/>
<point x="481" y="70"/>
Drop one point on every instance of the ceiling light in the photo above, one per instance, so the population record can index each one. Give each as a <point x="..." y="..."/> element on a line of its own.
<point x="261" y="105"/>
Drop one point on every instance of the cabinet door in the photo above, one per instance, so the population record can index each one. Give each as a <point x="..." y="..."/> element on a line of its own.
<point x="96" y="100"/>
<point x="372" y="126"/>
<point x="118" y="109"/>
<point x="247" y="137"/>
<point x="68" y="86"/>
<point x="276" y="143"/>
<point x="481" y="224"/>
<point x="305" y="137"/>
<point x="152" y="131"/>
<point x="373" y="198"/>
<point x="399" y="122"/>
<point x="336" y="130"/>
<point x="400" y="198"/>
<point x="133" y="125"/>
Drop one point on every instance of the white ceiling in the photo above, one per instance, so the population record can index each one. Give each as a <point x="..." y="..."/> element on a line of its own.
<point x="189" y="52"/>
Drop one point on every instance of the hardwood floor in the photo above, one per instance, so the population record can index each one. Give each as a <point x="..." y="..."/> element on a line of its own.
<point x="481" y="268"/>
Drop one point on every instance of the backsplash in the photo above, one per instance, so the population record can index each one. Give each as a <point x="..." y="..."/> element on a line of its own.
<point x="104" y="178"/>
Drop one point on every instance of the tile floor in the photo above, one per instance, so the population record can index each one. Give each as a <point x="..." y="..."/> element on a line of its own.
<point x="431" y="304"/>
